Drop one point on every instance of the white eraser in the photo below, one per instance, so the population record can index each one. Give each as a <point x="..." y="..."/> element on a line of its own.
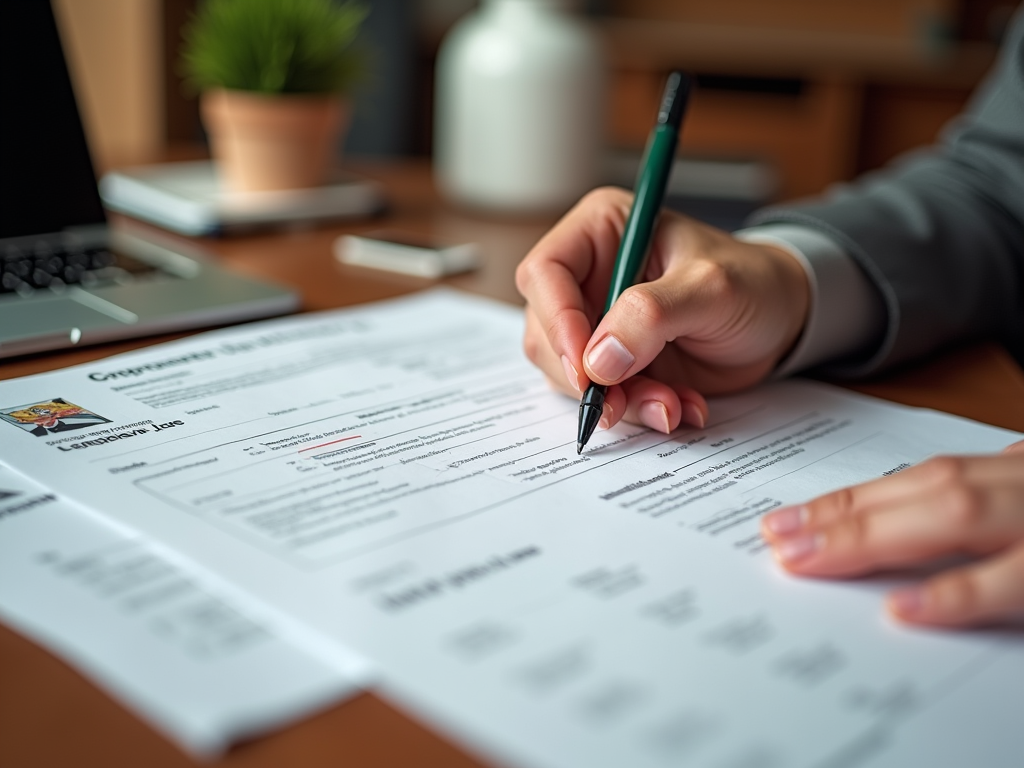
<point x="401" y="253"/>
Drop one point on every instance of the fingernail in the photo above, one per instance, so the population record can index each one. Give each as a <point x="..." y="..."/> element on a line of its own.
<point x="907" y="601"/>
<point x="799" y="548"/>
<point x="609" y="359"/>
<point x="785" y="521"/>
<point x="654" y="415"/>
<point x="693" y="415"/>
<point x="605" y="422"/>
<point x="571" y="374"/>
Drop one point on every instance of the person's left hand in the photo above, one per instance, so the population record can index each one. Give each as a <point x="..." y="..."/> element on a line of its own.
<point x="944" y="506"/>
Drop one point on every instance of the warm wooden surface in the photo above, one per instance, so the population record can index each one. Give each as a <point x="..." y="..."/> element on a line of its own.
<point x="52" y="716"/>
<point x="980" y="382"/>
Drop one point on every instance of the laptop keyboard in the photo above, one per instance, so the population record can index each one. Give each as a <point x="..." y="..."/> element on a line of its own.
<point x="25" y="271"/>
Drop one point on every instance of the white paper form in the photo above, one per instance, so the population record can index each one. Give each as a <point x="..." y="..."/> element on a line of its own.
<point x="169" y="641"/>
<point x="398" y="479"/>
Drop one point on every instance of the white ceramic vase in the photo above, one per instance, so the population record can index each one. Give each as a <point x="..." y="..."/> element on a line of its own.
<point x="519" y="107"/>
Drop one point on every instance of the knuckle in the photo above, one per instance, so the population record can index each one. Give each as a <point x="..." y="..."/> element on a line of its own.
<point x="964" y="507"/>
<point x="842" y="500"/>
<point x="524" y="274"/>
<point x="559" y="320"/>
<point x="945" y="471"/>
<point x="604" y="196"/>
<point x="853" y="533"/>
<point x="715" y="278"/>
<point x="835" y="506"/>
<point x="643" y="304"/>
<point x="859" y="531"/>
<point x="531" y="348"/>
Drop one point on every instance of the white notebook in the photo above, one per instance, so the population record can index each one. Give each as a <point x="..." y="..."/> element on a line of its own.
<point x="188" y="198"/>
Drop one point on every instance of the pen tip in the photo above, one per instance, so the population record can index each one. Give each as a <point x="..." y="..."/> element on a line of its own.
<point x="591" y="407"/>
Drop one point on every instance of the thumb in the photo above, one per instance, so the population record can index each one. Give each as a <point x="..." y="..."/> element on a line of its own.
<point x="639" y="324"/>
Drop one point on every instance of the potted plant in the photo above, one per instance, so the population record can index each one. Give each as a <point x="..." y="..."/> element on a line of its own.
<point x="273" y="77"/>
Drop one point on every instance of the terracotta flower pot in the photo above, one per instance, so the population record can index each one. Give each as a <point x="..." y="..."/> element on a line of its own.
<point x="273" y="142"/>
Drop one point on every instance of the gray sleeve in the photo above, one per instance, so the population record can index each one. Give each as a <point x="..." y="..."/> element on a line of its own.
<point x="941" y="233"/>
<point x="846" y="316"/>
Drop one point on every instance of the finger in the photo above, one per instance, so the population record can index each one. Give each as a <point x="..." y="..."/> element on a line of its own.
<point x="837" y="506"/>
<point x="1015" y="448"/>
<point x="976" y="594"/>
<point x="614" y="407"/>
<point x="561" y="379"/>
<point x="920" y="528"/>
<point x="559" y="371"/>
<point x="691" y="296"/>
<point x="662" y="407"/>
<point x="577" y="252"/>
<point x="953" y="474"/>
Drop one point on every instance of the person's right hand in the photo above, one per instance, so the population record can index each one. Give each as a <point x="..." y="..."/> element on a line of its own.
<point x="713" y="314"/>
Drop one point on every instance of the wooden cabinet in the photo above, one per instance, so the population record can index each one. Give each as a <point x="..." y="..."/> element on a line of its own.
<point x="822" y="95"/>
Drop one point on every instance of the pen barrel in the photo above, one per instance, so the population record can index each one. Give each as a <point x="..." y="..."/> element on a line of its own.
<point x="650" y="190"/>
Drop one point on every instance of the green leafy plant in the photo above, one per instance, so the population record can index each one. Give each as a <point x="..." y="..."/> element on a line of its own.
<point x="273" y="46"/>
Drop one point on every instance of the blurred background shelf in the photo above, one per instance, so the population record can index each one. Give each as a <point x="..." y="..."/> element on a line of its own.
<point x="819" y="89"/>
<point x="822" y="103"/>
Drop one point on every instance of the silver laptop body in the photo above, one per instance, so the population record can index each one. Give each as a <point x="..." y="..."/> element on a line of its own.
<point x="66" y="277"/>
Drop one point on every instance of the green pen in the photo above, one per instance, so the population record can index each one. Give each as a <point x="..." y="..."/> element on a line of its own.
<point x="636" y="239"/>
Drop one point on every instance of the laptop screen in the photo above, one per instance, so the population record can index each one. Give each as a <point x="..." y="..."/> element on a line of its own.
<point x="47" y="182"/>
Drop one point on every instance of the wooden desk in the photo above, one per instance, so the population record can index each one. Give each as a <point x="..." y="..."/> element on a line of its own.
<point x="52" y="716"/>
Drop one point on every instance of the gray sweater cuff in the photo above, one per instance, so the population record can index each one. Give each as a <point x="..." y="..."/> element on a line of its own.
<point x="846" y="318"/>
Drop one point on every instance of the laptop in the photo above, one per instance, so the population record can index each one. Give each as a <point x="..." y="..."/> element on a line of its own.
<point x="67" y="278"/>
